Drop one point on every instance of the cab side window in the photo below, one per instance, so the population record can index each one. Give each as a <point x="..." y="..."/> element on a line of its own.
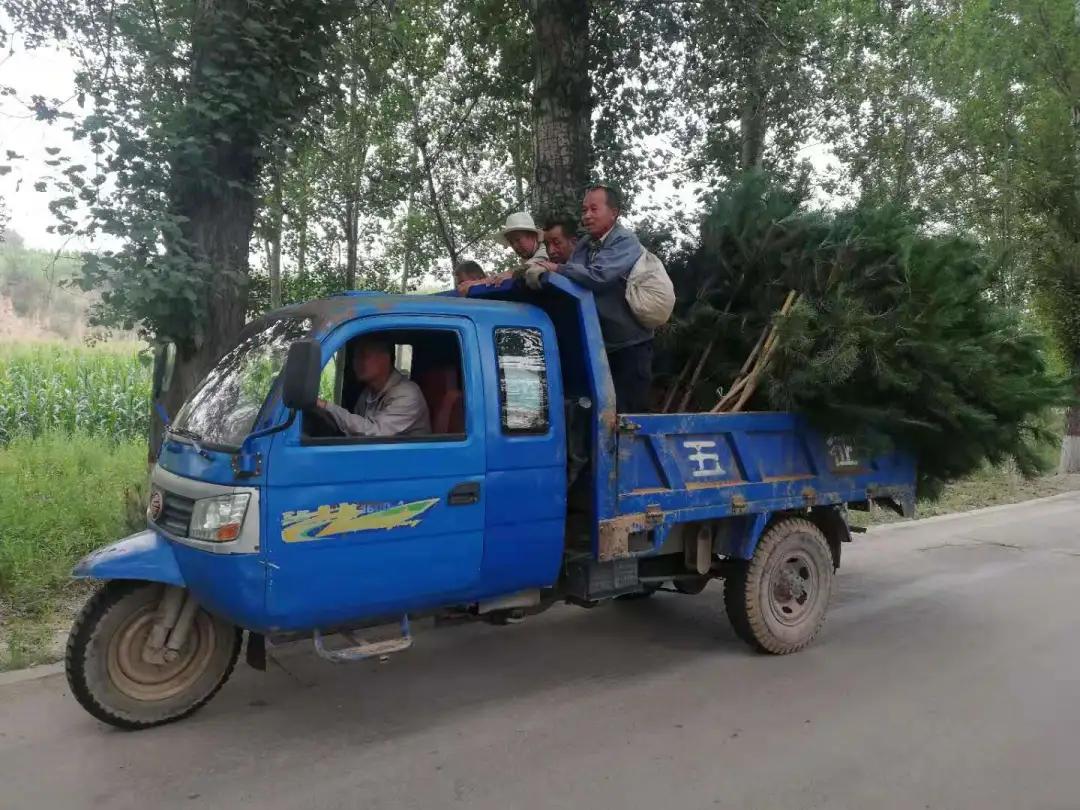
<point x="330" y="380"/>
<point x="430" y="359"/>
<point x="523" y="384"/>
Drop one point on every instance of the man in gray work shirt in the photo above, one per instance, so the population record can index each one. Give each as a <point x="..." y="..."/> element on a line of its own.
<point x="389" y="404"/>
<point x="601" y="262"/>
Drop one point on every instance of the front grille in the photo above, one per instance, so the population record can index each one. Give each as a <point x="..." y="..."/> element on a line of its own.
<point x="176" y="514"/>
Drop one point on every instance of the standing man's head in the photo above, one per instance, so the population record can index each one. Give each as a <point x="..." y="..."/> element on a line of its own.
<point x="373" y="360"/>
<point x="468" y="271"/>
<point x="600" y="209"/>
<point x="560" y="236"/>
<point x="521" y="234"/>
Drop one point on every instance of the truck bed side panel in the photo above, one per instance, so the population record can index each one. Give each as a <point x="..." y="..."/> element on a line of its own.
<point x="676" y="468"/>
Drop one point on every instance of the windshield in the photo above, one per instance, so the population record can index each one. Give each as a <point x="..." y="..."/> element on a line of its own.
<point x="224" y="408"/>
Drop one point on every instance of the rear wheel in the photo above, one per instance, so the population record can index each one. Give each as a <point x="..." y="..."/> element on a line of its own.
<point x="112" y="680"/>
<point x="777" y="601"/>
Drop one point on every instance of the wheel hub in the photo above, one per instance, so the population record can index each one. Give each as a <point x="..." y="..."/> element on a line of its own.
<point x="793" y="588"/>
<point x="137" y="678"/>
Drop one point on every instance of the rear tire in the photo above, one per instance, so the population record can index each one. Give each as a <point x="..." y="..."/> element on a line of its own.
<point x="777" y="601"/>
<point x="111" y="681"/>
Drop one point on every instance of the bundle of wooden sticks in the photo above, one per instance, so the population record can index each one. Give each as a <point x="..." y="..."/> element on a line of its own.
<point x="748" y="378"/>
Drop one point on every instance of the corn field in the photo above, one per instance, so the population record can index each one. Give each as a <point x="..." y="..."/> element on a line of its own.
<point x="60" y="388"/>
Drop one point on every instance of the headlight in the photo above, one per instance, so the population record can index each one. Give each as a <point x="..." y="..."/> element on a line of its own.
<point x="219" y="519"/>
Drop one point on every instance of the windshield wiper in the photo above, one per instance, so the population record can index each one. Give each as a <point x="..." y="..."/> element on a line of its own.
<point x="193" y="437"/>
<point x="187" y="434"/>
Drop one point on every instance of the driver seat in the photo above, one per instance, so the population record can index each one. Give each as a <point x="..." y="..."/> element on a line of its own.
<point x="441" y="387"/>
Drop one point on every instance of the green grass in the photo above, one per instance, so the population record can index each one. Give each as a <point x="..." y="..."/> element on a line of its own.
<point x="991" y="486"/>
<point x="60" y="498"/>
<point x="26" y="642"/>
<point x="102" y="390"/>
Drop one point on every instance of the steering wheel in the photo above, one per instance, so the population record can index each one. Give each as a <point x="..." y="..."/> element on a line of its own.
<point x="319" y="425"/>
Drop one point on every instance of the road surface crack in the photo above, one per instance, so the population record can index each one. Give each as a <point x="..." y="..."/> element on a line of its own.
<point x="973" y="544"/>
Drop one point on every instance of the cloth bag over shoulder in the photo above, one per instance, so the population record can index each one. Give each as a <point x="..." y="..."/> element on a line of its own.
<point x="649" y="291"/>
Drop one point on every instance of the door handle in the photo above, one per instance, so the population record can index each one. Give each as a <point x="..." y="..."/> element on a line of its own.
<point x="464" y="494"/>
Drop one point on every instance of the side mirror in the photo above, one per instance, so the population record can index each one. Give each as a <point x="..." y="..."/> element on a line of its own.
<point x="300" y="377"/>
<point x="164" y="366"/>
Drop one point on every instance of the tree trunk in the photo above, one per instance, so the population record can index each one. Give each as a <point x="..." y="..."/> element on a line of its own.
<point x="301" y="250"/>
<point x="214" y="191"/>
<point x="562" y="105"/>
<point x="352" y="237"/>
<point x="441" y="220"/>
<point x="276" y="215"/>
<point x="220" y="228"/>
<point x="752" y="120"/>
<point x="1070" y="442"/>
<point x="300" y="213"/>
<point x="352" y="171"/>
<point x="516" y="161"/>
<point x="406" y="261"/>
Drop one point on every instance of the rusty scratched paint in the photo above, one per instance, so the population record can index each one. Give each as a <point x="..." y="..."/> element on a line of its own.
<point x="327" y="314"/>
<point x="383" y="305"/>
<point x="777" y="479"/>
<point x="615" y="535"/>
<point x="609" y="419"/>
<point x="729" y="482"/>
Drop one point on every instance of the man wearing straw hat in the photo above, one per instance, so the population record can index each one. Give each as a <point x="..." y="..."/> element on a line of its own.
<point x="521" y="235"/>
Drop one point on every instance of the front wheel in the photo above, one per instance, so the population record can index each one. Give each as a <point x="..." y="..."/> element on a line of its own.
<point x="777" y="601"/>
<point x="111" y="678"/>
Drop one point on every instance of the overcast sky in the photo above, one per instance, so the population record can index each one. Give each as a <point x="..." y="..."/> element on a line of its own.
<point x="47" y="73"/>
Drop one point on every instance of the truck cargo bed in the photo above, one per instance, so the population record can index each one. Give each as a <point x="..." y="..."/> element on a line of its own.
<point x="678" y="468"/>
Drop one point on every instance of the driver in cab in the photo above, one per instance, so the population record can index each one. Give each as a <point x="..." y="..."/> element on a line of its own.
<point x="389" y="404"/>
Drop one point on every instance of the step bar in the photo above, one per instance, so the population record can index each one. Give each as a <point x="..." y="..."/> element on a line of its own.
<point x="360" y="649"/>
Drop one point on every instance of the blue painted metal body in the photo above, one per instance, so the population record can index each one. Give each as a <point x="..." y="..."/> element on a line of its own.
<point x="356" y="530"/>
<point x="702" y="467"/>
<point x="146" y="555"/>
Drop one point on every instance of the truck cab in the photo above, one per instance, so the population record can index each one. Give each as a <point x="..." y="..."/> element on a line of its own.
<point x="475" y="510"/>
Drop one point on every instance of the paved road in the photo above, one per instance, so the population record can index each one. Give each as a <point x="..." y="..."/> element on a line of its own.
<point x="948" y="676"/>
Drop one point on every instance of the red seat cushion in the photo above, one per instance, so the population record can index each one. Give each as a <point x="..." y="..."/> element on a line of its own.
<point x="446" y="402"/>
<point x="453" y="407"/>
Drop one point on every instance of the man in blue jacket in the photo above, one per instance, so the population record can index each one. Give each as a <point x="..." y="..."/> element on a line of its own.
<point x="601" y="262"/>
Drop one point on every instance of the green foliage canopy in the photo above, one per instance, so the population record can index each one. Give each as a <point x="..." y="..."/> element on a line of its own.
<point x="182" y="101"/>
<point x="894" y="337"/>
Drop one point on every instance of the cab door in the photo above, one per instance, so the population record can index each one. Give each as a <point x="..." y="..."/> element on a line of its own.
<point x="526" y="456"/>
<point x="369" y="527"/>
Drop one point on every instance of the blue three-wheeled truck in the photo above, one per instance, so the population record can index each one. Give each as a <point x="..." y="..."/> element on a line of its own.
<point x="530" y="490"/>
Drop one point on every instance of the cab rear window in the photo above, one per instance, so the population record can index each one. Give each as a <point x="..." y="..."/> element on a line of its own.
<point x="523" y="384"/>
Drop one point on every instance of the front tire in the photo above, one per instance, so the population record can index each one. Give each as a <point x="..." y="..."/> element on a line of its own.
<point x="112" y="682"/>
<point x="777" y="601"/>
